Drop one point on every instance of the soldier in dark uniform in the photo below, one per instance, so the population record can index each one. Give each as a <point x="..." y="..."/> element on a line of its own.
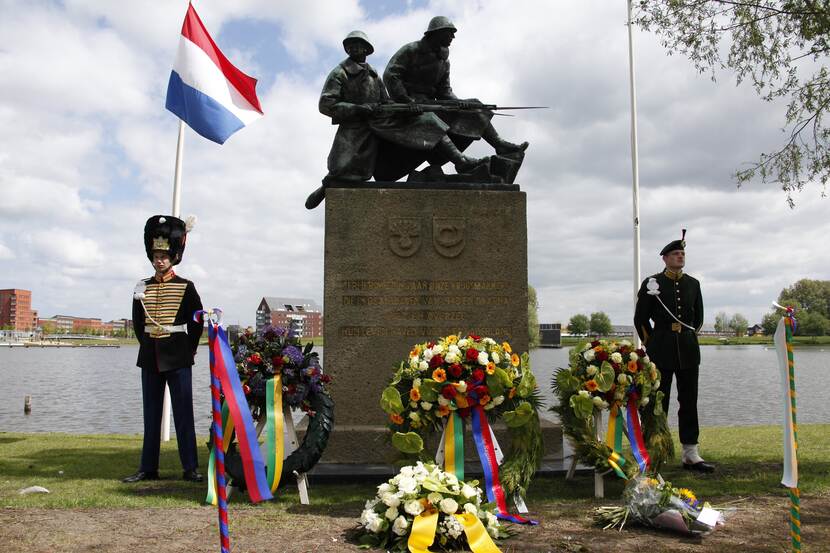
<point x="420" y="72"/>
<point x="353" y="96"/>
<point x="163" y="307"/>
<point x="672" y="301"/>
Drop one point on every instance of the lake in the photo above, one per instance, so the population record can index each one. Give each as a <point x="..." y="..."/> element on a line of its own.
<point x="98" y="390"/>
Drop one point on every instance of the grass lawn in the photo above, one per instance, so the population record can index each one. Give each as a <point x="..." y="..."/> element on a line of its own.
<point x="89" y="509"/>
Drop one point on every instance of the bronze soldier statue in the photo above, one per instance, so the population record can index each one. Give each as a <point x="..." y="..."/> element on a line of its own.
<point x="419" y="72"/>
<point x="372" y="141"/>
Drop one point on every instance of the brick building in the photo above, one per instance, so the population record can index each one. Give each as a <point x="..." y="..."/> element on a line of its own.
<point x="16" y="311"/>
<point x="305" y="314"/>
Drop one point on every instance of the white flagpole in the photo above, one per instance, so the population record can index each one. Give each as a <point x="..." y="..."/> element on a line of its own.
<point x="177" y="209"/>
<point x="635" y="167"/>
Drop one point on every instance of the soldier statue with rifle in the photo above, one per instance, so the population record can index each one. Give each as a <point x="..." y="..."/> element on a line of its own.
<point x="385" y="140"/>
<point x="356" y="100"/>
<point x="419" y="72"/>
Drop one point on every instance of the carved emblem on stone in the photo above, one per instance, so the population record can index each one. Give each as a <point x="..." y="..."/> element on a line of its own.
<point x="449" y="235"/>
<point x="404" y="235"/>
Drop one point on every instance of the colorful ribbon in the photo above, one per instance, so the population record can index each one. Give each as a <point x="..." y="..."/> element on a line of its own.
<point x="224" y="535"/>
<point x="274" y="426"/>
<point x="454" y="445"/>
<point x="635" y="434"/>
<point x="227" y="435"/>
<point x="617" y="461"/>
<point x="486" y="453"/>
<point x="784" y="347"/>
<point x="223" y="366"/>
<point x="613" y="437"/>
<point x="424" y="526"/>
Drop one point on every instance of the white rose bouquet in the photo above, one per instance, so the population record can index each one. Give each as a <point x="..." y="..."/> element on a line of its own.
<point x="425" y="497"/>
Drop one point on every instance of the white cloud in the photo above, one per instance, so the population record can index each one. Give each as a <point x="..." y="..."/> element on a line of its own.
<point x="87" y="154"/>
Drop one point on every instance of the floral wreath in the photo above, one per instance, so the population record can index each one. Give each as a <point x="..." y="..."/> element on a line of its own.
<point x="262" y="355"/>
<point x="425" y="506"/>
<point x="613" y="376"/>
<point x="463" y="375"/>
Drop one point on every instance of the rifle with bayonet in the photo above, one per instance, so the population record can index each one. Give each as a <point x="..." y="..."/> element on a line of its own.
<point x="383" y="110"/>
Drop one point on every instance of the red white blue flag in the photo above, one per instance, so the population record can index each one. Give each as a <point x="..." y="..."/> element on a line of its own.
<point x="205" y="90"/>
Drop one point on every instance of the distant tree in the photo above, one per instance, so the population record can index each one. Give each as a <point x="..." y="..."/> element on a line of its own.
<point x="579" y="324"/>
<point x="600" y="324"/>
<point x="721" y="322"/>
<point x="812" y="324"/>
<point x="811" y="295"/>
<point x="781" y="47"/>
<point x="738" y="324"/>
<point x="532" y="317"/>
<point x="770" y="322"/>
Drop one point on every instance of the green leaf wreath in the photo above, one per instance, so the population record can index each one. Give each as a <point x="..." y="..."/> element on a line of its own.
<point x="603" y="374"/>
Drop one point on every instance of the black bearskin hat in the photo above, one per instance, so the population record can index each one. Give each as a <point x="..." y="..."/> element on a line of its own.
<point x="165" y="233"/>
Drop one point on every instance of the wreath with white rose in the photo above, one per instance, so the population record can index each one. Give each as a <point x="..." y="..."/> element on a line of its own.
<point x="606" y="375"/>
<point x="417" y="492"/>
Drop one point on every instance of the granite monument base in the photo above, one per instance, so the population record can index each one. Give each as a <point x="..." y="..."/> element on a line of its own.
<point x="409" y="263"/>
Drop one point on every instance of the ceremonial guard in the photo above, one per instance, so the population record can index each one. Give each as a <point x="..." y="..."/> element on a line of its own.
<point x="668" y="316"/>
<point x="163" y="307"/>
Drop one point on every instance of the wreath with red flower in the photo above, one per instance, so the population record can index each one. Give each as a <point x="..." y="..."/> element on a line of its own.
<point x="605" y="375"/>
<point x="456" y="373"/>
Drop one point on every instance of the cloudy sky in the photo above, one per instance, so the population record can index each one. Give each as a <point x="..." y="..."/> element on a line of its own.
<point x="87" y="153"/>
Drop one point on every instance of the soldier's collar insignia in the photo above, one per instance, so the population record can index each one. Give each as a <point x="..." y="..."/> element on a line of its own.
<point x="674" y="275"/>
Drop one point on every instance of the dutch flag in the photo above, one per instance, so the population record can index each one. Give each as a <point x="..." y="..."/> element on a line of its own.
<point x="205" y="90"/>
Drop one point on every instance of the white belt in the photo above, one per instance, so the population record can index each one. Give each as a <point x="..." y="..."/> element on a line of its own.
<point x="166" y="328"/>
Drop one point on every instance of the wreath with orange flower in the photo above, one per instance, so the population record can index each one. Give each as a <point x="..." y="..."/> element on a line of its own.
<point x="604" y="375"/>
<point x="454" y="374"/>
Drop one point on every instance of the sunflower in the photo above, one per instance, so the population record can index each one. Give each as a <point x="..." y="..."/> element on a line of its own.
<point x="439" y="375"/>
<point x="687" y="495"/>
<point x="514" y="360"/>
<point x="452" y="339"/>
<point x="591" y="385"/>
<point x="491" y="367"/>
<point x="506" y="347"/>
<point x="415" y="394"/>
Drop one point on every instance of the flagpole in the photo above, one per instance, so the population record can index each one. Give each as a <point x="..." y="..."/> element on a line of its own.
<point x="635" y="167"/>
<point x="177" y="209"/>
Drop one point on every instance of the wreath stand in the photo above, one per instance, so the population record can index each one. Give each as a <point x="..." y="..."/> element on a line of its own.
<point x="599" y="482"/>
<point x="291" y="444"/>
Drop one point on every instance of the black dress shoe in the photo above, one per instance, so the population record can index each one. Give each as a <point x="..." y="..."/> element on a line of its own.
<point x="141" y="475"/>
<point x="701" y="466"/>
<point x="192" y="476"/>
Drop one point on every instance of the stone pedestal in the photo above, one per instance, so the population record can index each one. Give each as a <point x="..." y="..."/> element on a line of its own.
<point x="405" y="265"/>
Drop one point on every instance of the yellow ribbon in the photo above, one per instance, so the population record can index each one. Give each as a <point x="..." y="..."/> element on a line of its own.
<point x="423" y="532"/>
<point x="477" y="536"/>
<point x="275" y="435"/>
<point x="425" y="525"/>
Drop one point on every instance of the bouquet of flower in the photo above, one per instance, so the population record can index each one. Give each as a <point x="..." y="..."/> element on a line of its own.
<point x="456" y="375"/>
<point x="658" y="504"/>
<point x="274" y="350"/>
<point x="414" y="494"/>
<point x="609" y="375"/>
